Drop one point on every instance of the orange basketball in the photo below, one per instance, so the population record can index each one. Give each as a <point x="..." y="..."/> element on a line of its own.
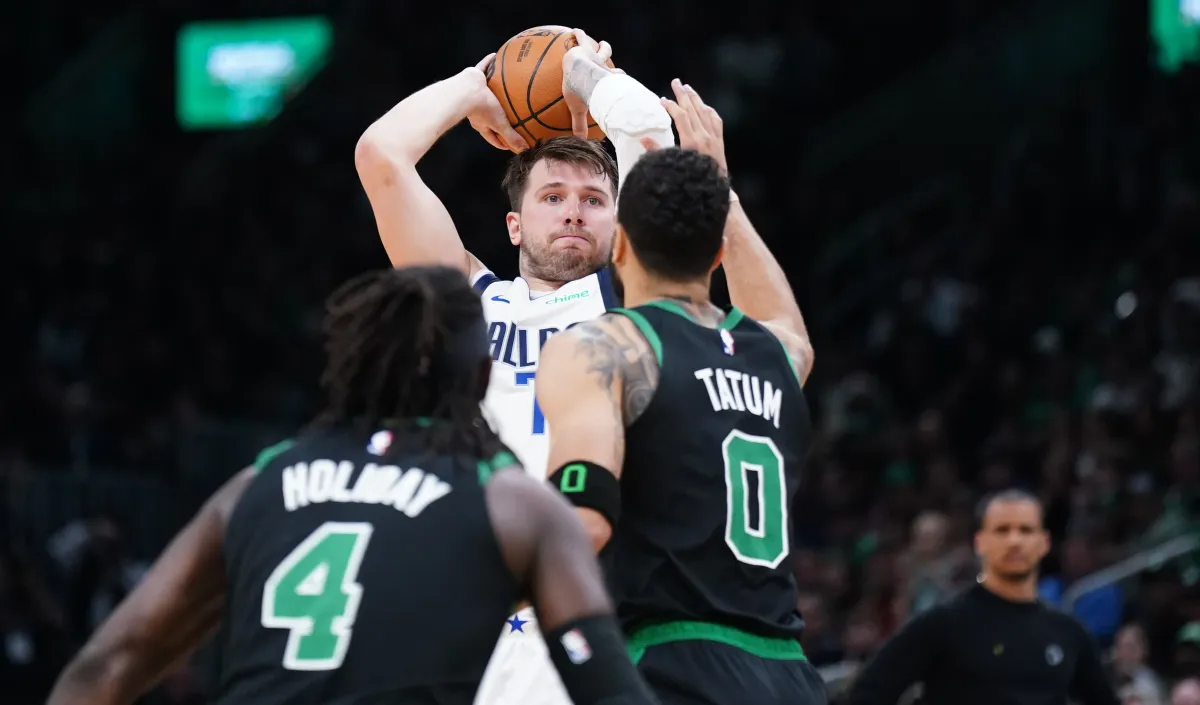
<point x="526" y="77"/>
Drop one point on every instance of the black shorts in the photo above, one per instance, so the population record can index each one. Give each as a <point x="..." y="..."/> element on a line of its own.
<point x="693" y="663"/>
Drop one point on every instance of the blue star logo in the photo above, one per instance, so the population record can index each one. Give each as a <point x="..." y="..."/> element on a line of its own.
<point x="516" y="624"/>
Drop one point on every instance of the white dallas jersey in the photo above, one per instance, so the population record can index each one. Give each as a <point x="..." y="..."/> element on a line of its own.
<point x="518" y="326"/>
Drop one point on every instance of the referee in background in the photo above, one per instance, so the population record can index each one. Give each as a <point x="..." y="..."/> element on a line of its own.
<point x="994" y="644"/>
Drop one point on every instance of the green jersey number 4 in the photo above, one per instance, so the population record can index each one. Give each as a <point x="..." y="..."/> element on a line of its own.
<point x="765" y="541"/>
<point x="313" y="594"/>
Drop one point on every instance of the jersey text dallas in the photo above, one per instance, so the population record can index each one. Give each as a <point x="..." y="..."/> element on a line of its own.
<point x="409" y="491"/>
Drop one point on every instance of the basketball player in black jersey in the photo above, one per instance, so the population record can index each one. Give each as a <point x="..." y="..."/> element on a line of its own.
<point x="679" y="433"/>
<point x="373" y="558"/>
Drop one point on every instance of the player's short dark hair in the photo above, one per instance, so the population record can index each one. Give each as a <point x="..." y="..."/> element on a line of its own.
<point x="587" y="154"/>
<point x="408" y="344"/>
<point x="673" y="208"/>
<point x="1013" y="494"/>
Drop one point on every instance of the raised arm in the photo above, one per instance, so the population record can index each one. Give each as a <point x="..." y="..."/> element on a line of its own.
<point x="168" y="615"/>
<point x="414" y="225"/>
<point x="625" y="110"/>
<point x="593" y="380"/>
<point x="757" y="284"/>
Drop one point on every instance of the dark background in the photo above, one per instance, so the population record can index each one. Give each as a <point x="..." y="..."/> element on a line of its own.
<point x="987" y="208"/>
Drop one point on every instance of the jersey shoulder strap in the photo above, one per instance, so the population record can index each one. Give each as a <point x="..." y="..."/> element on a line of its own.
<point x="269" y="454"/>
<point x="499" y="461"/>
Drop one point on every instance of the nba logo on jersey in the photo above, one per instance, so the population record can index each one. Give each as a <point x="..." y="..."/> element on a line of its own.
<point x="380" y="442"/>
<point x="727" y="341"/>
<point x="576" y="646"/>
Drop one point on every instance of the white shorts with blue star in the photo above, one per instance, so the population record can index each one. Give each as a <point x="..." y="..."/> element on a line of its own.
<point x="520" y="672"/>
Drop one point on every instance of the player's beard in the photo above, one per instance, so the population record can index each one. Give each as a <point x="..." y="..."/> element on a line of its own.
<point x="1016" y="576"/>
<point x="542" y="261"/>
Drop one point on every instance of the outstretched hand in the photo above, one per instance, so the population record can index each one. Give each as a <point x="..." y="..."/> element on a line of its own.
<point x="489" y="120"/>
<point x="699" y="126"/>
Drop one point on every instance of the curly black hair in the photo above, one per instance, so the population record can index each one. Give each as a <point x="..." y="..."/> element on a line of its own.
<point x="407" y="344"/>
<point x="673" y="208"/>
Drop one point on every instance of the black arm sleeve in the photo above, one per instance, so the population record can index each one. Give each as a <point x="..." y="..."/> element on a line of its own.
<point x="1090" y="684"/>
<point x="590" y="657"/>
<point x="906" y="659"/>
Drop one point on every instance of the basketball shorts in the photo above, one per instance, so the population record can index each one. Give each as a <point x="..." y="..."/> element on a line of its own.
<point x="696" y="663"/>
<point x="520" y="672"/>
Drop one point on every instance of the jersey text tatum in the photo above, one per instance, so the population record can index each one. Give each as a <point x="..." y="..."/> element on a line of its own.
<point x="730" y="390"/>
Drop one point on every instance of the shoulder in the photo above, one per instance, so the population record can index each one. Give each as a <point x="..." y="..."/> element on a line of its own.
<point x="1066" y="623"/>
<point x="272" y="453"/>
<point x="958" y="606"/>
<point x="483" y="280"/>
<point x="797" y="347"/>
<point x="611" y="336"/>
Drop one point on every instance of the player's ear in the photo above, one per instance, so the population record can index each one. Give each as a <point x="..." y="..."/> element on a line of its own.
<point x="720" y="255"/>
<point x="1044" y="548"/>
<point x="620" y="246"/>
<point x="513" y="221"/>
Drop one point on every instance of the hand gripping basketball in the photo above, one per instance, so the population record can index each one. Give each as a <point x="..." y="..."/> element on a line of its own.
<point x="589" y="50"/>
<point x="489" y="119"/>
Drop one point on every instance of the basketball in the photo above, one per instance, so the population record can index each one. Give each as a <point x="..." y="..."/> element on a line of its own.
<point x="526" y="77"/>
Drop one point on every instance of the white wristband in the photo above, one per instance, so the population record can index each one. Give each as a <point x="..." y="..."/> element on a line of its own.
<point x="620" y="102"/>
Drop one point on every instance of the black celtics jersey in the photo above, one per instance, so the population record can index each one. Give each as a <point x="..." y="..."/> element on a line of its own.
<point x="361" y="570"/>
<point x="711" y="468"/>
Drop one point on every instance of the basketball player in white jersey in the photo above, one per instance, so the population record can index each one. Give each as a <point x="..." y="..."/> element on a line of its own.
<point x="563" y="200"/>
<point x="563" y="214"/>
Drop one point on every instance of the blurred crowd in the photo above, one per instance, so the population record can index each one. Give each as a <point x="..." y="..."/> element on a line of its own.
<point x="1055" y="346"/>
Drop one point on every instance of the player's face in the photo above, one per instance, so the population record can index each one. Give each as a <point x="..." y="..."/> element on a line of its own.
<point x="1011" y="542"/>
<point x="566" y="223"/>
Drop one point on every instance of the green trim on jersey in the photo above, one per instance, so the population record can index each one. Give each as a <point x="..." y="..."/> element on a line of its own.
<point x="732" y="319"/>
<point x="670" y="307"/>
<point x="735" y="317"/>
<point x="761" y="646"/>
<point x="487" y="468"/>
<point x="266" y="455"/>
<point x="646" y="329"/>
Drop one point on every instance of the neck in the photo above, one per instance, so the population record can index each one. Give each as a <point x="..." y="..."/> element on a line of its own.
<point x="537" y="285"/>
<point x="1023" y="590"/>
<point x="695" y="293"/>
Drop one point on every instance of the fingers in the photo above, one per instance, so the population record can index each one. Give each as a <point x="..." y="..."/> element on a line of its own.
<point x="512" y="139"/>
<point x="584" y="40"/>
<point x="487" y="61"/>
<point x="678" y="116"/>
<point x="579" y="126"/>
<point x="683" y="98"/>
<point x="691" y="107"/>
<point x="604" y="53"/>
<point x="715" y="124"/>
<point x="493" y="139"/>
<point x="706" y="114"/>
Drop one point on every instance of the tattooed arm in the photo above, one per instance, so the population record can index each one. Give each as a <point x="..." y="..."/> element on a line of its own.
<point x="593" y="381"/>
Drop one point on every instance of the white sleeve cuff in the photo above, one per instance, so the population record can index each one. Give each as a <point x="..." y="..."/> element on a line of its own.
<point x="627" y="111"/>
<point x="620" y="102"/>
